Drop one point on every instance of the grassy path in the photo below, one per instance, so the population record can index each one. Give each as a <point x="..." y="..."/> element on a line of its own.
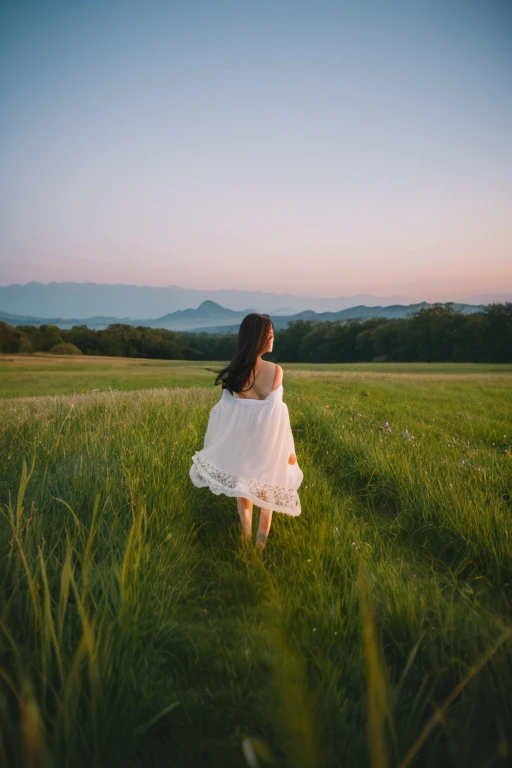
<point x="138" y="630"/>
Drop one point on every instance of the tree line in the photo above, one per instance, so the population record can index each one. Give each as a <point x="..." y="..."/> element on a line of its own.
<point x="434" y="334"/>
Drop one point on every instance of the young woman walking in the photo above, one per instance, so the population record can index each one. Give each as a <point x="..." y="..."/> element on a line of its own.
<point x="249" y="451"/>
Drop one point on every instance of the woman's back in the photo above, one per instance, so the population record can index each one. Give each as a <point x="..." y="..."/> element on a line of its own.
<point x="266" y="379"/>
<point x="249" y="451"/>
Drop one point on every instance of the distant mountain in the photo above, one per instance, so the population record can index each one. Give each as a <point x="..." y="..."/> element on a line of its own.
<point x="107" y="302"/>
<point x="98" y="322"/>
<point x="5" y="317"/>
<point x="210" y="317"/>
<point x="488" y="298"/>
<point x="207" y="314"/>
<point x="65" y="300"/>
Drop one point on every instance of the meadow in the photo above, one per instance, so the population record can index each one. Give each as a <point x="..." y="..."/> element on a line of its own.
<point x="137" y="629"/>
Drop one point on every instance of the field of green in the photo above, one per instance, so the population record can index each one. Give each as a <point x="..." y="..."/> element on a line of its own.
<point x="137" y="629"/>
<point x="44" y="374"/>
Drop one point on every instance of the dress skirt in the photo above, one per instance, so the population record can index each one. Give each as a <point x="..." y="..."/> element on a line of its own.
<point x="246" y="453"/>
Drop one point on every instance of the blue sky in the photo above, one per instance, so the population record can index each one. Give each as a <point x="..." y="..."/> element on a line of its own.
<point x="320" y="148"/>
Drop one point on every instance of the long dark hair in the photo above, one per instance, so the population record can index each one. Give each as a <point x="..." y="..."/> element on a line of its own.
<point x="252" y="336"/>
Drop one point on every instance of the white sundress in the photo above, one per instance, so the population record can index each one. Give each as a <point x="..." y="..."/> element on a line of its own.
<point x="246" y="450"/>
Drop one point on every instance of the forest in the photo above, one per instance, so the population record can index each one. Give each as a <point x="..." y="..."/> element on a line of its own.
<point x="436" y="333"/>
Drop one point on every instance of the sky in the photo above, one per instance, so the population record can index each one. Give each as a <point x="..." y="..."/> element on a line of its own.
<point x="320" y="148"/>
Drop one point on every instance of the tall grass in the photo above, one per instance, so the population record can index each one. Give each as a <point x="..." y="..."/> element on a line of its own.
<point x="137" y="629"/>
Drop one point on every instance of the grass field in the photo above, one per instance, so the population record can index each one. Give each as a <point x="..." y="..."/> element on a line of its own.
<point x="137" y="630"/>
<point x="44" y="374"/>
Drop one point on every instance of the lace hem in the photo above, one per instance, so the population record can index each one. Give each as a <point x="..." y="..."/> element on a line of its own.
<point x="275" y="497"/>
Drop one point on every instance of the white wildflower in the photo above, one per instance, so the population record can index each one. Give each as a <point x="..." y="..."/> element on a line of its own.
<point x="249" y="753"/>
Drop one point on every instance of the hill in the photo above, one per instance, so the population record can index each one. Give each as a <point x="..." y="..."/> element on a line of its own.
<point x="97" y="300"/>
<point x="211" y="317"/>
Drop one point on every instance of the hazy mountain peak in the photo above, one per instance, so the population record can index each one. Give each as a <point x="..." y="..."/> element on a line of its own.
<point x="211" y="307"/>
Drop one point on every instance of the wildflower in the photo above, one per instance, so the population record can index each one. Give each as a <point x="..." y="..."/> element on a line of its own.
<point x="336" y="531"/>
<point x="355" y="544"/>
<point x="249" y="753"/>
<point x="387" y="427"/>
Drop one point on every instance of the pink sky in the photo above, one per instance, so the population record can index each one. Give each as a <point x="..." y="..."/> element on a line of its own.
<point x="360" y="149"/>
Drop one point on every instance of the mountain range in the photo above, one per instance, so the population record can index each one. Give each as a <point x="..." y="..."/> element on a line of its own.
<point x="104" y="301"/>
<point x="211" y="317"/>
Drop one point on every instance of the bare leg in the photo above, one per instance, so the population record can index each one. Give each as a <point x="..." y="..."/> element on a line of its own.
<point x="263" y="528"/>
<point x="245" y="511"/>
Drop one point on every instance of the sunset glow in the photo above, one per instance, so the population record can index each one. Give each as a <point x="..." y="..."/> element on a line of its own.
<point x="327" y="149"/>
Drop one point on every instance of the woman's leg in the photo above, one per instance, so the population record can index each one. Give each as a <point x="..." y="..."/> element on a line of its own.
<point x="263" y="528"/>
<point x="245" y="511"/>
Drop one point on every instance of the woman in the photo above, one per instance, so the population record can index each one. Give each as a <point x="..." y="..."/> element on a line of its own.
<point x="249" y="451"/>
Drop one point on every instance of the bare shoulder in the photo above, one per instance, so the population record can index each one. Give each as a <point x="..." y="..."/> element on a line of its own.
<point x="278" y="376"/>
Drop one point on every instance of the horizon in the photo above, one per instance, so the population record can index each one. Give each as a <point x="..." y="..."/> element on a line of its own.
<point x="414" y="300"/>
<point x="307" y="150"/>
<point x="345" y="302"/>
